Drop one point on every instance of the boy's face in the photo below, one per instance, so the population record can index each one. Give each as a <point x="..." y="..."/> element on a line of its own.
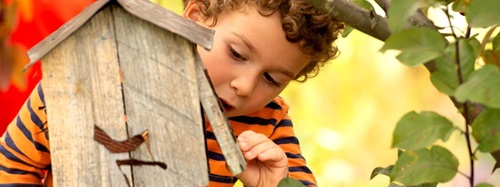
<point x="251" y="61"/>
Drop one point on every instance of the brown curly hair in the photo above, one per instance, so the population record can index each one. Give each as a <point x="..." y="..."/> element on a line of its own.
<point x="313" y="29"/>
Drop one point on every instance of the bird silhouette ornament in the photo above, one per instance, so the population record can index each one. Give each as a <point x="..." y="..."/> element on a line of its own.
<point x="126" y="146"/>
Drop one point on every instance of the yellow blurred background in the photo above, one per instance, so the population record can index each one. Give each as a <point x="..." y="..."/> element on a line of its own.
<point x="344" y="117"/>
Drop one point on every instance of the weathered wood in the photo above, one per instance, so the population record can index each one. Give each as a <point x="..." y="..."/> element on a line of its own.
<point x="128" y="67"/>
<point x="82" y="88"/>
<point x="169" y="20"/>
<point x="160" y="92"/>
<point x="236" y="163"/>
<point x="51" y="41"/>
<point x="144" y="9"/>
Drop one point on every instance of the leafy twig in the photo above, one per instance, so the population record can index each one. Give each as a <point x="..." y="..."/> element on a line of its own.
<point x="465" y="105"/>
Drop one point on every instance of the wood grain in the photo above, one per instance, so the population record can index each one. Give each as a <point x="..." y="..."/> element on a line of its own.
<point x="236" y="163"/>
<point x="169" y="20"/>
<point x="82" y="87"/>
<point x="161" y="95"/>
<point x="47" y="44"/>
<point x="144" y="9"/>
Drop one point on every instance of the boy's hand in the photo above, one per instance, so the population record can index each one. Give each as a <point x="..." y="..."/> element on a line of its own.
<point x="267" y="163"/>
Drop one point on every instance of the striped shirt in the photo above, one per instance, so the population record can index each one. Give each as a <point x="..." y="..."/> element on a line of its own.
<point x="25" y="151"/>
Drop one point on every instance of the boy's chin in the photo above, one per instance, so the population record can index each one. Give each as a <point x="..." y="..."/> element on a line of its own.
<point x="227" y="108"/>
<point x="229" y="113"/>
<point x="233" y="113"/>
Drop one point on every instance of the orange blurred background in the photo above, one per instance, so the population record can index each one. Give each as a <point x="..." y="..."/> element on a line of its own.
<point x="344" y="117"/>
<point x="23" y="23"/>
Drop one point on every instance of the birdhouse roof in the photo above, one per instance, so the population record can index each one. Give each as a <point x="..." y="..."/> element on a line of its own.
<point x="143" y="9"/>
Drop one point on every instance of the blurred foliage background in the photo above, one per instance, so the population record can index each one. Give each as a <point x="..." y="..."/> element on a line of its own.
<point x="345" y="116"/>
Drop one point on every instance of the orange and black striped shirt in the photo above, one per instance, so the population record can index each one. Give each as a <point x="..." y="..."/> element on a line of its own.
<point x="25" y="150"/>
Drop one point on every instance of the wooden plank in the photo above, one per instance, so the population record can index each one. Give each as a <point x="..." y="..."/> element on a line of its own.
<point x="161" y="95"/>
<point x="51" y="41"/>
<point x="169" y="20"/>
<point x="144" y="9"/>
<point x="82" y="89"/>
<point x="236" y="163"/>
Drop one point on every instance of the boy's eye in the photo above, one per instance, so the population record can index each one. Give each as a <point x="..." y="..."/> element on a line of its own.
<point x="271" y="80"/>
<point x="236" y="55"/>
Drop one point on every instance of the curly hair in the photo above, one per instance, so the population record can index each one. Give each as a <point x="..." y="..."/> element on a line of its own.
<point x="313" y="29"/>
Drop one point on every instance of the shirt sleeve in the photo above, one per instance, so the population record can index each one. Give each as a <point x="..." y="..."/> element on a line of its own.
<point x="24" y="147"/>
<point x="284" y="136"/>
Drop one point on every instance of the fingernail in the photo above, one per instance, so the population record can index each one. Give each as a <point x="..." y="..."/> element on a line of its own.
<point x="243" y="144"/>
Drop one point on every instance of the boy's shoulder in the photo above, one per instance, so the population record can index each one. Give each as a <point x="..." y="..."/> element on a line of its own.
<point x="278" y="103"/>
<point x="268" y="116"/>
<point x="276" y="109"/>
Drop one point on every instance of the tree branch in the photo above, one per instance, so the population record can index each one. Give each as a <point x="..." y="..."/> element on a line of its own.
<point x="376" y="26"/>
<point x="361" y="19"/>
<point x="369" y="22"/>
<point x="417" y="20"/>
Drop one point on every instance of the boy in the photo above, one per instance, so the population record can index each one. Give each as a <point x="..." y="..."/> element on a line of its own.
<point x="259" y="47"/>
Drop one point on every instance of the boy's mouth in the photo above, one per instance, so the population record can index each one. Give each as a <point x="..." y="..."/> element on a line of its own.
<point x="227" y="107"/>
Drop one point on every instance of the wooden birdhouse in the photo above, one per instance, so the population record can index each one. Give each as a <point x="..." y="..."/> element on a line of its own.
<point x="123" y="85"/>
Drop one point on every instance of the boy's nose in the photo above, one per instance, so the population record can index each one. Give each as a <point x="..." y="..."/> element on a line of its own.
<point x="244" y="85"/>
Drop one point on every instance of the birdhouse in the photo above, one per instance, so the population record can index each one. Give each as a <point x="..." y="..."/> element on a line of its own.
<point x="126" y="96"/>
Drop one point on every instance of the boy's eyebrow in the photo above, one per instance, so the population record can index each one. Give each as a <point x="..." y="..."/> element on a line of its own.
<point x="286" y="72"/>
<point x="245" y="40"/>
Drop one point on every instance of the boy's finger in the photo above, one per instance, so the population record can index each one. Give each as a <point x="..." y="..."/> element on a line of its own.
<point x="274" y="154"/>
<point x="248" y="139"/>
<point x="246" y="134"/>
<point x="258" y="149"/>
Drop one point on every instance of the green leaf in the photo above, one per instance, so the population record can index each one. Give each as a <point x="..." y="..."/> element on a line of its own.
<point x="416" y="56"/>
<point x="467" y="57"/>
<point x="416" y="131"/>
<point x="290" y="182"/>
<point x="399" y="12"/>
<point x="400" y="152"/>
<point x="460" y="6"/>
<point x="436" y="3"/>
<point x="426" y="185"/>
<point x="420" y="185"/>
<point x="347" y="30"/>
<point x="445" y="79"/>
<point x="484" y="185"/>
<point x="380" y="170"/>
<point x="416" y="167"/>
<point x="492" y="57"/>
<point x="444" y="82"/>
<point x="476" y="46"/>
<point x="396" y="185"/>
<point x="426" y="4"/>
<point x="363" y="4"/>
<point x="486" y="130"/>
<point x="483" y="87"/>
<point x="496" y="42"/>
<point x="417" y="45"/>
<point x="483" y="13"/>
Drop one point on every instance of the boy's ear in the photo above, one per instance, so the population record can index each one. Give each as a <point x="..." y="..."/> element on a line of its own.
<point x="192" y="11"/>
